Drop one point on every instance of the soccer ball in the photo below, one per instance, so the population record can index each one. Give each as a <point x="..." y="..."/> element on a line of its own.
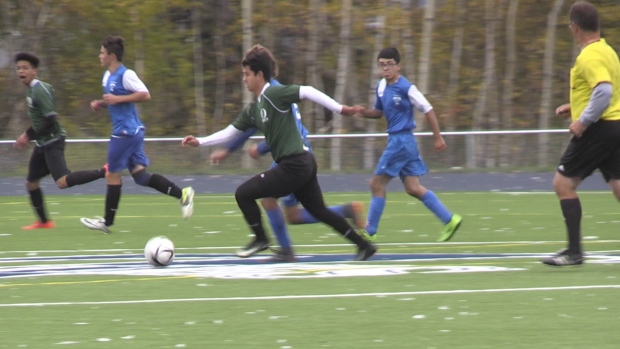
<point x="159" y="251"/>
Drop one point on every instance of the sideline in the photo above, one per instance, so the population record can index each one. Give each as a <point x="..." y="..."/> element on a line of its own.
<point x="318" y="296"/>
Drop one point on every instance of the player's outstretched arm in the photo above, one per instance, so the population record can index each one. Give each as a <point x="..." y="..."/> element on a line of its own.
<point x="218" y="138"/>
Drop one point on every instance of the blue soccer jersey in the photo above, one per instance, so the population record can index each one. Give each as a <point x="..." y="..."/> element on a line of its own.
<point x="124" y="116"/>
<point x="397" y="102"/>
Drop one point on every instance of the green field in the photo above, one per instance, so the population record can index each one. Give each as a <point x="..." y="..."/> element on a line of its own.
<point x="77" y="288"/>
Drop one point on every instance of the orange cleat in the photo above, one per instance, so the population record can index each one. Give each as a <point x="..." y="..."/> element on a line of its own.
<point x="105" y="167"/>
<point x="40" y="225"/>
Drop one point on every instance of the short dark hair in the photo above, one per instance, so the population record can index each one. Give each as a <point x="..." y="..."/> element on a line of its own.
<point x="389" y="53"/>
<point x="114" y="44"/>
<point x="259" y="58"/>
<point x="28" y="57"/>
<point x="585" y="15"/>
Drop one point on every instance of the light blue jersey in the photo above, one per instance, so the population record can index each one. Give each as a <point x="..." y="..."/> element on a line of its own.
<point x="397" y="101"/>
<point x="124" y="116"/>
<point x="393" y="100"/>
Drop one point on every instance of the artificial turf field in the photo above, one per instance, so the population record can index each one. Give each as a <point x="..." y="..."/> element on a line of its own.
<point x="77" y="288"/>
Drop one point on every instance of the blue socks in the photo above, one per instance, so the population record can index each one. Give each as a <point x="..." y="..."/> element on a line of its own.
<point x="278" y="225"/>
<point x="377" y="204"/>
<point x="431" y="201"/>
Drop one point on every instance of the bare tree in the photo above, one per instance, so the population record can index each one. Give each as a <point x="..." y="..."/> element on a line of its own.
<point x="341" y="80"/>
<point x="545" y="109"/>
<point x="509" y="76"/>
<point x="248" y="37"/>
<point x="371" y="125"/>
<point x="455" y="63"/>
<point x="199" y="95"/>
<point x="475" y="148"/>
<point x="220" y="61"/>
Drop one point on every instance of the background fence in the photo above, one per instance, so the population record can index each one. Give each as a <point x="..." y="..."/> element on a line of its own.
<point x="517" y="150"/>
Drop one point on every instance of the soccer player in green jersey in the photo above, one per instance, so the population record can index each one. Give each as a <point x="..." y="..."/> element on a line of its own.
<point x="296" y="172"/>
<point x="594" y="110"/>
<point x="48" y="157"/>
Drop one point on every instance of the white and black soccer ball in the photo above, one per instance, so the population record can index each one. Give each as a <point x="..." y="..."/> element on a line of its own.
<point x="159" y="251"/>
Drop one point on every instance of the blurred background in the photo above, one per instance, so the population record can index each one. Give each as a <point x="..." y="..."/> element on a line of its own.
<point x="485" y="65"/>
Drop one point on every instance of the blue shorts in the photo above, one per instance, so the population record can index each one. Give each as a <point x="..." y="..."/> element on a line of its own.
<point x="126" y="152"/>
<point x="401" y="157"/>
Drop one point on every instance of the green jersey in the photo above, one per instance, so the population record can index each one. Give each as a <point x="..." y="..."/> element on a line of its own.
<point x="41" y="104"/>
<point x="271" y="113"/>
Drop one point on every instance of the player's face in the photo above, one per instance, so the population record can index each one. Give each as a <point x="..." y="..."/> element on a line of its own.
<point x="104" y="58"/>
<point x="388" y="68"/>
<point x="25" y="72"/>
<point x="252" y="81"/>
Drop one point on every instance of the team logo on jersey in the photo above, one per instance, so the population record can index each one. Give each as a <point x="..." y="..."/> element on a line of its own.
<point x="112" y="86"/>
<point x="263" y="115"/>
<point x="397" y="99"/>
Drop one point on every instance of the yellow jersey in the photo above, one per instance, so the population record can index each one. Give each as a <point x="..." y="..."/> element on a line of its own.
<point x="597" y="63"/>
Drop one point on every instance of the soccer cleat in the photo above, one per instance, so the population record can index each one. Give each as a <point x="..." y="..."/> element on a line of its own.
<point x="563" y="258"/>
<point x="97" y="223"/>
<point x="450" y="229"/>
<point x="40" y="225"/>
<point x="283" y="255"/>
<point x="187" y="202"/>
<point x="358" y="214"/>
<point x="366" y="235"/>
<point x="253" y="248"/>
<point x="363" y="253"/>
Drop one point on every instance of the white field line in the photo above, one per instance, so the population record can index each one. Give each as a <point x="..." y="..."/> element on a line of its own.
<point x="465" y="243"/>
<point x="318" y="296"/>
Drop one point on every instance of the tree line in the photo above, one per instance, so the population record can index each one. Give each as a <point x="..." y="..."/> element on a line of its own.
<point x="483" y="64"/>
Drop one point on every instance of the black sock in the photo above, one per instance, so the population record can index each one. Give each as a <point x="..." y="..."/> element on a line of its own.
<point x="112" y="198"/>
<point x="83" y="177"/>
<point x="571" y="209"/>
<point x="352" y="236"/>
<point x="164" y="185"/>
<point x="251" y="213"/>
<point x="36" y="198"/>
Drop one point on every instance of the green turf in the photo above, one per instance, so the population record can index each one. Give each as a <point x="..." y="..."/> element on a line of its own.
<point x="482" y="303"/>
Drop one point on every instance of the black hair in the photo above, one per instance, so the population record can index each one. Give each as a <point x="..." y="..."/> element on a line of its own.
<point x="28" y="57"/>
<point x="585" y="15"/>
<point x="259" y="58"/>
<point x="114" y="44"/>
<point x="389" y="53"/>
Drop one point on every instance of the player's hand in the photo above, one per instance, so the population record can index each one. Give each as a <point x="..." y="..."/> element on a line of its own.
<point x="563" y="111"/>
<point x="190" y="141"/>
<point x="21" y="142"/>
<point x="110" y="99"/>
<point x="219" y="155"/>
<point x="348" y="110"/>
<point x="96" y="104"/>
<point x="439" y="143"/>
<point x="577" y="128"/>
<point x="253" y="151"/>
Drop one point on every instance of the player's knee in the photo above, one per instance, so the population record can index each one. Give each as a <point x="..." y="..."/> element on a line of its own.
<point x="141" y="177"/>
<point x="32" y="186"/>
<point x="62" y="182"/>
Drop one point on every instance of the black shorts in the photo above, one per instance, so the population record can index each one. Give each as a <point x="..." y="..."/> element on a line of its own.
<point x="597" y="148"/>
<point x="48" y="159"/>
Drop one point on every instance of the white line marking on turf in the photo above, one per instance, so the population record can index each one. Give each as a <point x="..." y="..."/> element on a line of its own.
<point x="317" y="296"/>
<point x="455" y="243"/>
